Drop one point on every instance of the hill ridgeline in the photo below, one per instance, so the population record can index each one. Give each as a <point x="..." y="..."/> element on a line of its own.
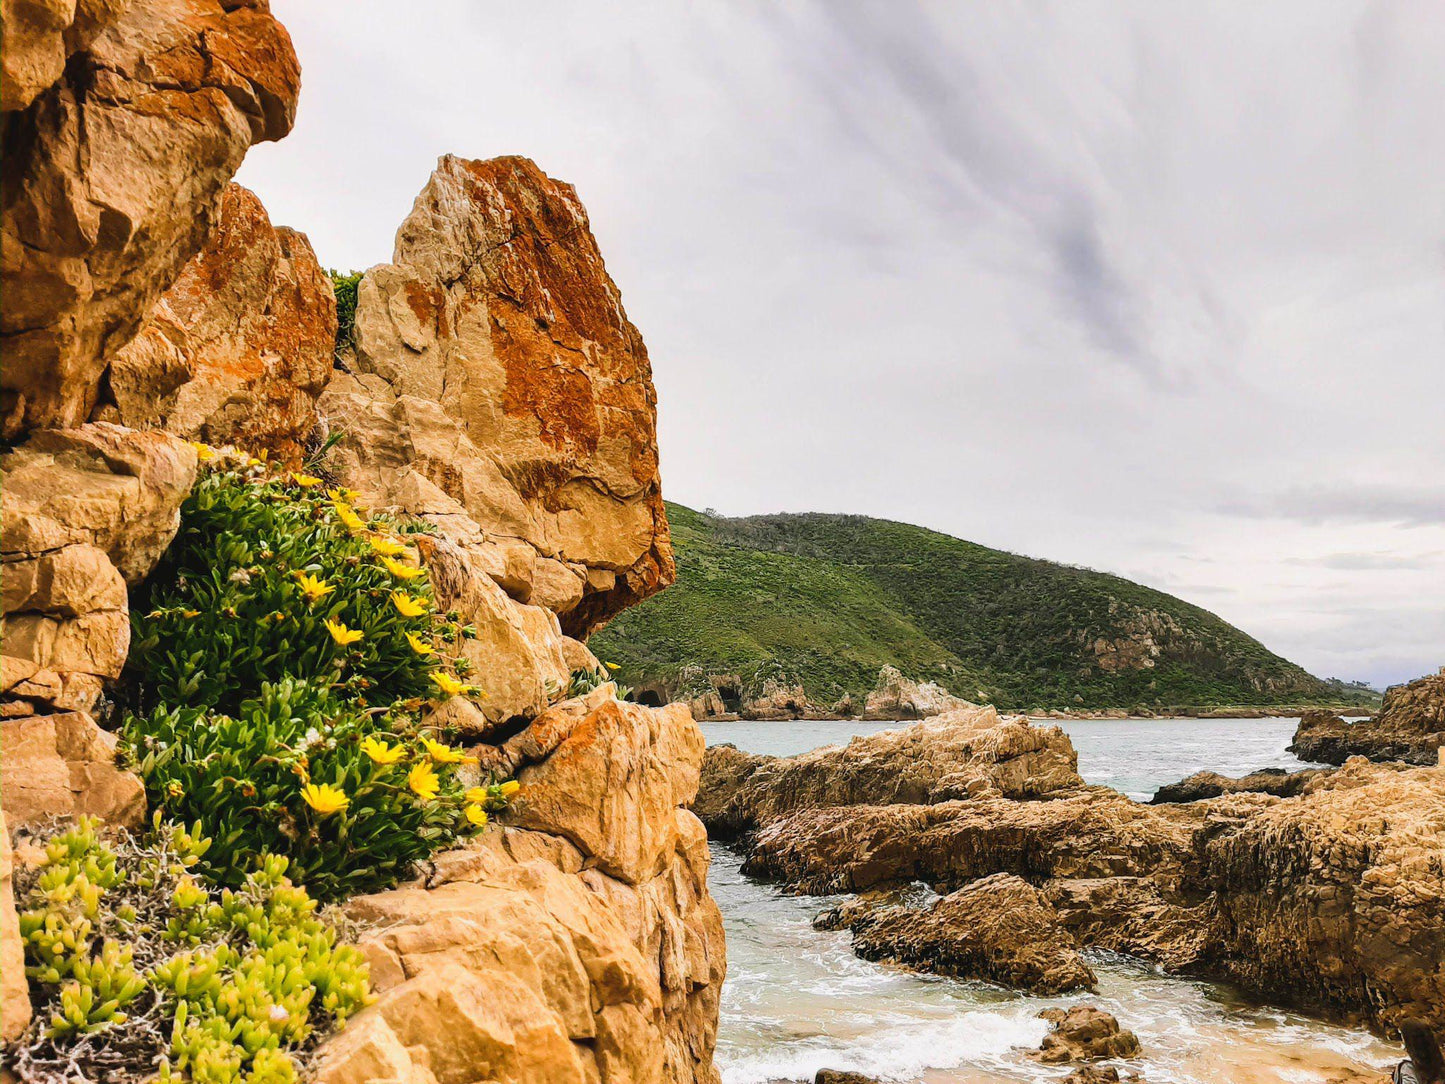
<point x="796" y="615"/>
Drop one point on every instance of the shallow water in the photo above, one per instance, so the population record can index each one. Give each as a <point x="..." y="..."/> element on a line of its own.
<point x="797" y="999"/>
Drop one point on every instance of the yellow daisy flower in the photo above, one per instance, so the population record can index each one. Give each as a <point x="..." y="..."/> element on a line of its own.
<point x="445" y="754"/>
<point x="613" y="667"/>
<point x="313" y="588"/>
<point x="420" y="646"/>
<point x="348" y="516"/>
<point x="341" y="493"/>
<point x="381" y="752"/>
<point x="477" y="815"/>
<point x="203" y="451"/>
<point x="510" y="787"/>
<point x="423" y="781"/>
<point x="387" y="547"/>
<point x="406" y="605"/>
<point x="446" y="683"/>
<point x="306" y="481"/>
<point x="399" y="570"/>
<point x="341" y="634"/>
<point x="325" y="799"/>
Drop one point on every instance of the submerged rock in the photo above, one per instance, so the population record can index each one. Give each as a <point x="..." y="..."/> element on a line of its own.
<point x="972" y="751"/>
<point x="1409" y="726"/>
<point x="998" y="928"/>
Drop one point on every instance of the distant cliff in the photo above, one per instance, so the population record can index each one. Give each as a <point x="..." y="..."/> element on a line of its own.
<point x="797" y="614"/>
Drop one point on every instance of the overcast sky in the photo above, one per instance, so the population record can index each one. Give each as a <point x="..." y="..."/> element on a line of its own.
<point x="1153" y="287"/>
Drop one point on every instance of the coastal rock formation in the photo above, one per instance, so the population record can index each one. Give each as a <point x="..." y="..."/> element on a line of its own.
<point x="1409" y="726"/>
<point x="1200" y="785"/>
<point x="86" y="511"/>
<point x="495" y="374"/>
<point x="1328" y="900"/>
<point x="238" y="350"/>
<point x="583" y="947"/>
<point x="997" y="928"/>
<point x="39" y="37"/>
<point x="898" y="697"/>
<point x="113" y="174"/>
<point x="64" y="766"/>
<point x="971" y="751"/>
<point x="1085" y="1033"/>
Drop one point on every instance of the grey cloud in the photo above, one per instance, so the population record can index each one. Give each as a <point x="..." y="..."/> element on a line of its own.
<point x="1410" y="506"/>
<point x="1370" y="562"/>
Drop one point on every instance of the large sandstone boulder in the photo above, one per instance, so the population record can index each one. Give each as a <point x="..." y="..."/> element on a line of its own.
<point x="112" y="175"/>
<point x="898" y="697"/>
<point x="238" y="350"/>
<point x="1085" y="1033"/>
<point x="1409" y="726"/>
<point x="997" y="928"/>
<point x="64" y="766"/>
<point x="970" y="751"/>
<point x="39" y="37"/>
<point x="494" y="367"/>
<point x="575" y="953"/>
<point x="85" y="511"/>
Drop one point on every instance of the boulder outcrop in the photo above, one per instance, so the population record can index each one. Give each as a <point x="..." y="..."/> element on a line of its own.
<point x="1329" y="900"/>
<point x="583" y="947"/>
<point x="113" y="173"/>
<point x="997" y="928"/>
<point x="1085" y="1033"/>
<point x="83" y="513"/>
<point x="898" y="697"/>
<point x="240" y="347"/>
<point x="14" y="989"/>
<point x="970" y="751"/>
<point x="495" y="374"/>
<point x="1410" y="726"/>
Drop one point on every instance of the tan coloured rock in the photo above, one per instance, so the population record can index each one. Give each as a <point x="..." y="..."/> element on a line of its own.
<point x="238" y="350"/>
<point x="100" y="485"/>
<point x="1085" y="1033"/>
<point x="611" y="776"/>
<point x="520" y="959"/>
<point x="494" y="360"/>
<point x="973" y="751"/>
<point x="39" y="37"/>
<point x="63" y="766"/>
<point x="14" y="990"/>
<point x="997" y="928"/>
<point x="112" y="177"/>
<point x="80" y="508"/>
<point x="898" y="697"/>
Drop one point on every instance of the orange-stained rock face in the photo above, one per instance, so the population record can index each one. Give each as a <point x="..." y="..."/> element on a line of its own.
<point x="238" y="350"/>
<point x="493" y="361"/>
<point x="111" y="181"/>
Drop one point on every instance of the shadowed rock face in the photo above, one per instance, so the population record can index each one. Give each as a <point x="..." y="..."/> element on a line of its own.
<point x="112" y="178"/>
<point x="238" y="350"/>
<point x="971" y="751"/>
<point x="1410" y="726"/>
<point x="496" y="375"/>
<point x="1202" y="785"/>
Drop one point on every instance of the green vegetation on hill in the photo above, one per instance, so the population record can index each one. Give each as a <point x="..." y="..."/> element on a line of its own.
<point x="829" y="599"/>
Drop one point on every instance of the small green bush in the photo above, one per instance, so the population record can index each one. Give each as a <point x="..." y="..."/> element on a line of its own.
<point x="345" y="284"/>
<point x="213" y="987"/>
<point x="279" y="675"/>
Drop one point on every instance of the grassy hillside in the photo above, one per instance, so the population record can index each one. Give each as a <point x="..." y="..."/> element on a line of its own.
<point x="830" y="599"/>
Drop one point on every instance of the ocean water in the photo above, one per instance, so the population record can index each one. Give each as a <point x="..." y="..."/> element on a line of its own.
<point x="797" y="999"/>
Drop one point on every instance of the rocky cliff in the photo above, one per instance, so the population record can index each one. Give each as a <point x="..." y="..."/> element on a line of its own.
<point x="494" y="393"/>
<point x="1328" y="900"/>
<point x="1409" y="726"/>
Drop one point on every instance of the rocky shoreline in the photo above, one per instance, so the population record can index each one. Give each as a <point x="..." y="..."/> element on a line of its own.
<point x="1327" y="901"/>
